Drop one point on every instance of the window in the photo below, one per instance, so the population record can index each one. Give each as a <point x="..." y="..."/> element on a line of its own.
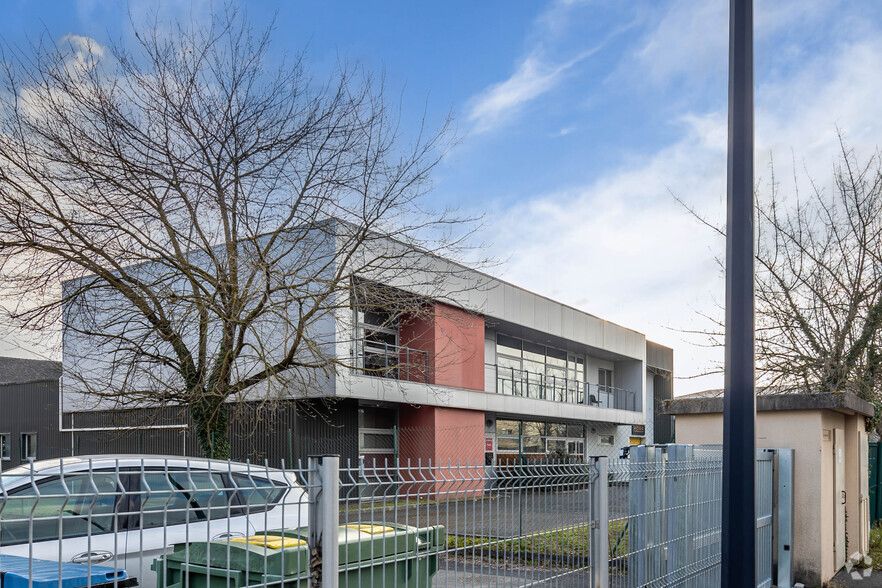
<point x="605" y="394"/>
<point x="608" y="440"/>
<point x="605" y="379"/>
<point x="538" y="438"/>
<point x="73" y="501"/>
<point x="4" y="446"/>
<point x="257" y="493"/>
<point x="530" y="369"/>
<point x="377" y="337"/>
<point x="178" y="497"/>
<point x="380" y="441"/>
<point x="28" y="446"/>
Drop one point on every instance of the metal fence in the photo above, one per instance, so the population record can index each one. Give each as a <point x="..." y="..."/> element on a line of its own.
<point x="651" y="520"/>
<point x="518" y="382"/>
<point x="665" y="517"/>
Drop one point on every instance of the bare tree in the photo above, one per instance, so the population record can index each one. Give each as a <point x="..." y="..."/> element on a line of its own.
<point x="819" y="282"/>
<point x="209" y="213"/>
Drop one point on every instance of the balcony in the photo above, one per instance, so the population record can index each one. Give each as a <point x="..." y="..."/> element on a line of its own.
<point x="526" y="384"/>
<point x="384" y="360"/>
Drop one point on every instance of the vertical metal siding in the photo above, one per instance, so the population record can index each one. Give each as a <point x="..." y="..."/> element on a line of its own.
<point x="31" y="407"/>
<point x="290" y="431"/>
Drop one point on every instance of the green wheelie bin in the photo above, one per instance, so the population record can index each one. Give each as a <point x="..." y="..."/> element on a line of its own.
<point x="370" y="555"/>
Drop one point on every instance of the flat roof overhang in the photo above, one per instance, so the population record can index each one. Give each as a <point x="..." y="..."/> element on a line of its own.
<point x="841" y="401"/>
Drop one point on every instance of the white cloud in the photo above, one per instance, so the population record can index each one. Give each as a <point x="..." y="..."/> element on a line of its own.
<point x="533" y="78"/>
<point x="85" y="52"/>
<point x="692" y="37"/>
<point x="554" y="52"/>
<point x="620" y="248"/>
<point x="564" y="132"/>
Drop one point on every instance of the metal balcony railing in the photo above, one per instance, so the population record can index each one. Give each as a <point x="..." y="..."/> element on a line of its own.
<point x="516" y="382"/>
<point x="392" y="361"/>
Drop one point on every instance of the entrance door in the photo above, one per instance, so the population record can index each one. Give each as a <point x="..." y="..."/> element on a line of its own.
<point x="839" y="554"/>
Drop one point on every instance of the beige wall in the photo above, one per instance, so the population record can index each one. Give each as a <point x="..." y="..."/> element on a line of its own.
<point x="803" y="431"/>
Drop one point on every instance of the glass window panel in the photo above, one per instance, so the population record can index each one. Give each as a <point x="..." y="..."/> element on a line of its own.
<point x="607" y="440"/>
<point x="508" y="362"/>
<point x="178" y="497"/>
<point x="536" y="367"/>
<point x="376" y="338"/>
<point x="377" y="418"/>
<point x="81" y="511"/>
<point x="577" y="431"/>
<point x="506" y="427"/>
<point x="534" y="444"/>
<point x="557" y="430"/>
<point x="533" y="428"/>
<point x="507" y="443"/>
<point x="533" y="348"/>
<point x="557" y="446"/>
<point x="508" y="345"/>
<point x="556" y="356"/>
<point x="255" y="491"/>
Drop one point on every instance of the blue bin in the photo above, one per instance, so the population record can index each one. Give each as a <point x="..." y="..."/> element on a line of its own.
<point x="16" y="571"/>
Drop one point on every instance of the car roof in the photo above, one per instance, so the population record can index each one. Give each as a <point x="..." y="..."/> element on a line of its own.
<point x="84" y="462"/>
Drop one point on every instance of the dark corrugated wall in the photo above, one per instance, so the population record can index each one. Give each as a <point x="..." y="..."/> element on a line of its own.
<point x="32" y="408"/>
<point x="284" y="431"/>
<point x="663" y="424"/>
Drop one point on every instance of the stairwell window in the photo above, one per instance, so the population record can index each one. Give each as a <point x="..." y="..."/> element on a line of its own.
<point x="4" y="446"/>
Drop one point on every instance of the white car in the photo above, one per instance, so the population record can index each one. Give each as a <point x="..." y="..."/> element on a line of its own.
<point x="125" y="510"/>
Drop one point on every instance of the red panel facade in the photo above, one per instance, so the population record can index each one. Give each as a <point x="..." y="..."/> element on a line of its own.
<point x="451" y="439"/>
<point x="454" y="342"/>
<point x="459" y="348"/>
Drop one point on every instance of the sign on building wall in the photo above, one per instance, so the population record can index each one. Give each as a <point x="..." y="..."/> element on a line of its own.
<point x="638" y="430"/>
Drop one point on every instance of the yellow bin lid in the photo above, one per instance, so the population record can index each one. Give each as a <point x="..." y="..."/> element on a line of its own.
<point x="270" y="541"/>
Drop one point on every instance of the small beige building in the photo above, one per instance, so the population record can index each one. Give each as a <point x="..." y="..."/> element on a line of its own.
<point x="830" y="492"/>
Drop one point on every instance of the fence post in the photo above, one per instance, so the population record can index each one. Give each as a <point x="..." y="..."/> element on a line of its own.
<point x="600" y="524"/>
<point x="784" y="505"/>
<point x="677" y="478"/>
<point x="324" y="520"/>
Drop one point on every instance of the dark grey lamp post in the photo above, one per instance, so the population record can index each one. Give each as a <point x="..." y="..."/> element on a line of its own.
<point x="739" y="441"/>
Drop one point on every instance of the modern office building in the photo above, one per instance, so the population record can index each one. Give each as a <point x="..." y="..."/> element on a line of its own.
<point x="486" y="372"/>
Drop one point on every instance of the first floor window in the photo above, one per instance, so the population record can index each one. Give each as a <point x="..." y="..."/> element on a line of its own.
<point x="608" y="440"/>
<point x="4" y="445"/>
<point x="28" y="446"/>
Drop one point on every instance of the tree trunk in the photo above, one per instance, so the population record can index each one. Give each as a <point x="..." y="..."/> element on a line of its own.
<point x="211" y="421"/>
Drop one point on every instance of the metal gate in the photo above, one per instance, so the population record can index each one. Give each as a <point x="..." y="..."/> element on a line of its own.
<point x="765" y="489"/>
<point x="874" y="478"/>
<point x="665" y="517"/>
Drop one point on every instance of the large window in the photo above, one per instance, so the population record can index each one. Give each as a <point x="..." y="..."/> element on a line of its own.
<point x="377" y="334"/>
<point x="4" y="445"/>
<point x="540" y="439"/>
<point x="529" y="369"/>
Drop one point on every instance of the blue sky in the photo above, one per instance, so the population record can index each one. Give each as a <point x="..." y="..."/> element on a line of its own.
<point x="578" y="119"/>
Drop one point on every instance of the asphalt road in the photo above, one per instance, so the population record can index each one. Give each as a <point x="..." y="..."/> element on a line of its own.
<point x="496" y="514"/>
